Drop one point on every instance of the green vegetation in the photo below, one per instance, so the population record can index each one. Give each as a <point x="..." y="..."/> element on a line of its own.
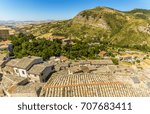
<point x="114" y="30"/>
<point x="1" y="39"/>
<point x="115" y="61"/>
<point x="105" y="24"/>
<point x="25" y="45"/>
<point x="138" y="61"/>
<point x="81" y="50"/>
<point x="140" y="13"/>
<point x="28" y="45"/>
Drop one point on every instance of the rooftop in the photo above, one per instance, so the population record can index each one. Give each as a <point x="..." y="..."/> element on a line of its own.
<point x="38" y="69"/>
<point x="10" y="80"/>
<point x="26" y="61"/>
<point x="101" y="62"/>
<point x="12" y="62"/>
<point x="75" y="69"/>
<point x="103" y="69"/>
<point x="82" y="62"/>
<point x="89" y="85"/>
<point x="2" y="57"/>
<point x="28" y="90"/>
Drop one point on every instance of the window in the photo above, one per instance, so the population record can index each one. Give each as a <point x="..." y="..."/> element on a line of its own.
<point x="17" y="71"/>
<point x="52" y="68"/>
<point x="7" y="72"/>
<point x="23" y="72"/>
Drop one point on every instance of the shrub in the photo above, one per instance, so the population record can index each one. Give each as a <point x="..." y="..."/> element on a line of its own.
<point x="115" y="61"/>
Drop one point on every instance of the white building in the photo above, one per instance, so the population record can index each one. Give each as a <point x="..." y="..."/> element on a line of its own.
<point x="25" y="64"/>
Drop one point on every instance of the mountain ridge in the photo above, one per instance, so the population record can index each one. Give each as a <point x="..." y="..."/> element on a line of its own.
<point x="106" y="24"/>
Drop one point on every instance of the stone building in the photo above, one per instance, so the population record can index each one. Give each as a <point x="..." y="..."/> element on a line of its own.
<point x="4" y="34"/>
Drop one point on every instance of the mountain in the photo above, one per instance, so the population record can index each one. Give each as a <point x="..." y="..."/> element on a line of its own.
<point x="106" y="24"/>
<point x="21" y="23"/>
<point x="141" y="13"/>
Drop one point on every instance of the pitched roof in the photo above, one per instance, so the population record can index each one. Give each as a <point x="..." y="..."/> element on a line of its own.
<point x="103" y="69"/>
<point x="83" y="62"/>
<point x="101" y="62"/>
<point x="10" y="80"/>
<point x="63" y="58"/>
<point x="74" y="64"/>
<point x="2" y="57"/>
<point x="85" y="69"/>
<point x="75" y="69"/>
<point x="26" y="61"/>
<point x="12" y="62"/>
<point x="38" y="69"/>
<point x="1" y="62"/>
<point x="28" y="90"/>
<point x="89" y="85"/>
<point x="65" y="64"/>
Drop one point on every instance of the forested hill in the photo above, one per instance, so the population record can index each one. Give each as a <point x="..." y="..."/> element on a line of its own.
<point x="102" y="23"/>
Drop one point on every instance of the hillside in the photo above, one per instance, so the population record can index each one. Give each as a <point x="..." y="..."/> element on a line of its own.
<point x="141" y="13"/>
<point x="105" y="24"/>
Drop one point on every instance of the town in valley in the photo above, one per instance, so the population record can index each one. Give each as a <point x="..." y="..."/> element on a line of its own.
<point x="59" y="59"/>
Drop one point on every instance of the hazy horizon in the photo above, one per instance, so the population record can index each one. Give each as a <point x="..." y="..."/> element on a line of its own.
<point x="39" y="10"/>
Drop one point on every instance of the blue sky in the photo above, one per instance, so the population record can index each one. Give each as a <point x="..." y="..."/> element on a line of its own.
<point x="60" y="9"/>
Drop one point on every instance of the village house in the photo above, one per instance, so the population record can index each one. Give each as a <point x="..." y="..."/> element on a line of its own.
<point x="95" y="43"/>
<point x="63" y="58"/>
<point x="4" y="34"/>
<point x="65" y="65"/>
<point x="102" y="54"/>
<point x="88" y="69"/>
<point x="76" y="63"/>
<point x="4" y="45"/>
<point x="11" y="81"/>
<point x="25" y="64"/>
<point x="1" y="92"/>
<point x="99" y="63"/>
<point x="73" y="70"/>
<point x="30" y="90"/>
<point x="85" y="63"/>
<point x="9" y="67"/>
<point x="103" y="69"/>
<point x="67" y="41"/>
<point x="41" y="72"/>
<point x="56" y="38"/>
<point x="122" y="70"/>
<point x="131" y="57"/>
<point x="81" y="69"/>
<point x="57" y="67"/>
<point x="3" y="60"/>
